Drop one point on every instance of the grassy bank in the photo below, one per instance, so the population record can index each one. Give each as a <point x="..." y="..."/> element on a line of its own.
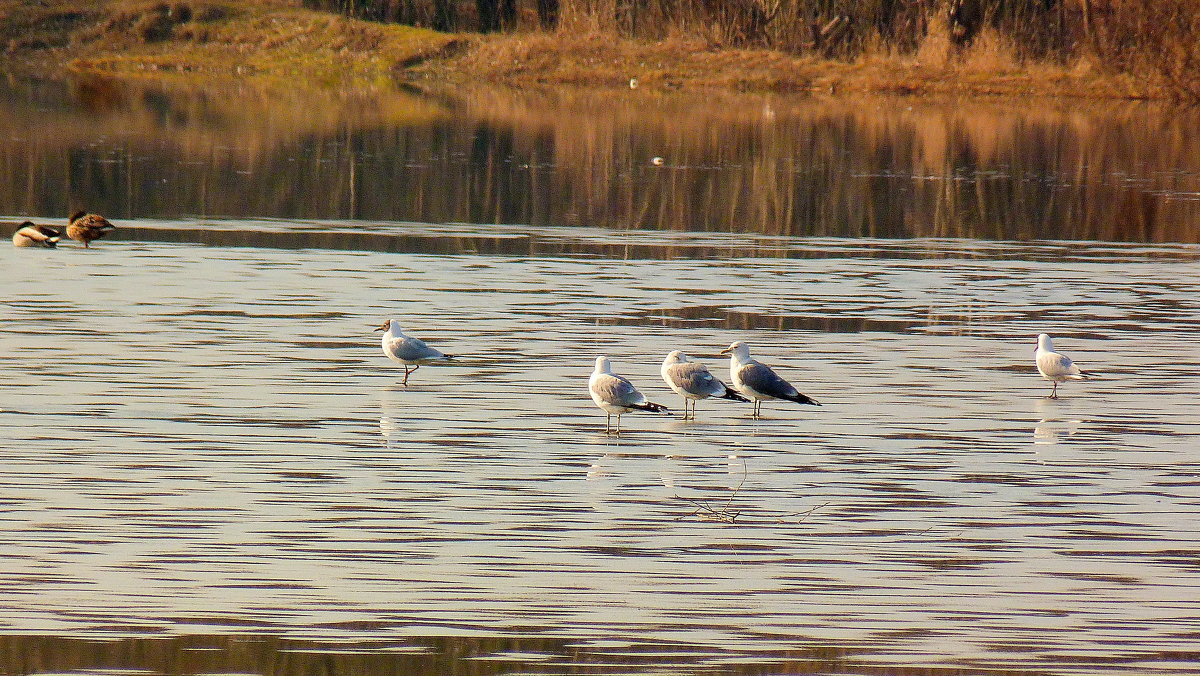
<point x="280" y="41"/>
<point x="267" y="40"/>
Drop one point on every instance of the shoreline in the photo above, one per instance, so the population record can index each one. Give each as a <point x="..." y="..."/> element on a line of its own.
<point x="278" y="44"/>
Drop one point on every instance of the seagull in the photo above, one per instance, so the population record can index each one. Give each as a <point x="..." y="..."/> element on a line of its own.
<point x="28" y="234"/>
<point x="693" y="382"/>
<point x="1055" y="367"/>
<point x="614" y="394"/>
<point x="84" y="227"/>
<point x="408" y="350"/>
<point x="757" y="381"/>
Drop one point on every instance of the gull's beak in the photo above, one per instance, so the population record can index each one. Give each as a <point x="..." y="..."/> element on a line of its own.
<point x="725" y="351"/>
<point x="380" y="328"/>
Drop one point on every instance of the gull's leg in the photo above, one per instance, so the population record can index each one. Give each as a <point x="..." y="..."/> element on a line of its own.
<point x="406" y="372"/>
<point x="608" y="424"/>
<point x="618" y="424"/>
<point x="1054" y="392"/>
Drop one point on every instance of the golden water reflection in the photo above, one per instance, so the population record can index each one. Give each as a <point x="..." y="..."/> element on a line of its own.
<point x="776" y="165"/>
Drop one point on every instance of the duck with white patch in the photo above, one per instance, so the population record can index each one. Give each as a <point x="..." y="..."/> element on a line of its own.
<point x="30" y="234"/>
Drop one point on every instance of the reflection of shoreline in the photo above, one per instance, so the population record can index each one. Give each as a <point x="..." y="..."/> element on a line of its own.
<point x="778" y="165"/>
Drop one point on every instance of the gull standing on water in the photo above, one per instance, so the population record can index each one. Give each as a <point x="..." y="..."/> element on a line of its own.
<point x="85" y="227"/>
<point x="408" y="350"/>
<point x="1055" y="367"/>
<point x="29" y="234"/>
<point x="616" y="395"/>
<point x="757" y="381"/>
<point x="693" y="382"/>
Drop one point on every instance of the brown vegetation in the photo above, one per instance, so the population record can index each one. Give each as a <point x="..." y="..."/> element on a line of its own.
<point x="270" y="39"/>
<point x="1105" y="48"/>
<point x="1079" y="47"/>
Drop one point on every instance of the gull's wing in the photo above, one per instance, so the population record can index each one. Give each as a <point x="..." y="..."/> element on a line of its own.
<point x="694" y="378"/>
<point x="760" y="378"/>
<point x="616" y="390"/>
<point x="1055" y="364"/>
<point x="413" y="349"/>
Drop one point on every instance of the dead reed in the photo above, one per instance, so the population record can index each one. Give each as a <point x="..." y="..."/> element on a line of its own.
<point x="1155" y="44"/>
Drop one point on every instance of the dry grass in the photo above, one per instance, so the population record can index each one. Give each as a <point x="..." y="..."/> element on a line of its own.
<point x="267" y="39"/>
<point x="1124" y="49"/>
<point x="989" y="67"/>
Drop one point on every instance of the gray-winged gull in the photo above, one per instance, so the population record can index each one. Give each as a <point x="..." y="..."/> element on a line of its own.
<point x="616" y="395"/>
<point x="693" y="382"/>
<point x="1054" y="366"/>
<point x="408" y="350"/>
<point x="757" y="381"/>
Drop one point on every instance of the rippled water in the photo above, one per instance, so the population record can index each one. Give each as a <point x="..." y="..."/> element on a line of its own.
<point x="210" y="467"/>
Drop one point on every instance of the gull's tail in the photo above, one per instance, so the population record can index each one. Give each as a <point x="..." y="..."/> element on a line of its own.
<point x="652" y="407"/>
<point x="803" y="399"/>
<point x="732" y="394"/>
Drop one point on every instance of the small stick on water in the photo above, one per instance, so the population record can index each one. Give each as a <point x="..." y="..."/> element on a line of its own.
<point x="725" y="514"/>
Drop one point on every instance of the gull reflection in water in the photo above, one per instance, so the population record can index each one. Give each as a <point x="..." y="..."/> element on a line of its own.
<point x="1052" y="429"/>
<point x="391" y="425"/>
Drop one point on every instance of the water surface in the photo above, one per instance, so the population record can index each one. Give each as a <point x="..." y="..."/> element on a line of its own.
<point x="205" y="440"/>
<point x="777" y="165"/>
<point x="211" y="468"/>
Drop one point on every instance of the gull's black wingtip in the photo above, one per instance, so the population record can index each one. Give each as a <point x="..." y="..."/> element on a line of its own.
<point x="653" y="408"/>
<point x="732" y="395"/>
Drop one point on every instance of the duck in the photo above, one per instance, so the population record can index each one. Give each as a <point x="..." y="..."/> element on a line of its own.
<point x="30" y="234"/>
<point x="85" y="227"/>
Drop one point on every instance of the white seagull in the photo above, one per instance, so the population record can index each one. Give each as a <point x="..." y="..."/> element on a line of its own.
<point x="1055" y="367"/>
<point x="757" y="381"/>
<point x="616" y="395"/>
<point x="408" y="350"/>
<point x="693" y="382"/>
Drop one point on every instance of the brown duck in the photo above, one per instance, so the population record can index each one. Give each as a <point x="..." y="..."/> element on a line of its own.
<point x="84" y="227"/>
<point x="28" y="234"/>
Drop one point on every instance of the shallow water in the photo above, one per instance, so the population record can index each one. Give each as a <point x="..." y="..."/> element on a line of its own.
<point x="203" y="440"/>
<point x="211" y="468"/>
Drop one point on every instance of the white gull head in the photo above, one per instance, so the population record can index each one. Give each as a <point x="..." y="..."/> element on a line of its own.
<point x="1044" y="343"/>
<point x="738" y="351"/>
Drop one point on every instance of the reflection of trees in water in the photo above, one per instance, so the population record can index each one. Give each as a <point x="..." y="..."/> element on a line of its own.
<point x="767" y="165"/>
<point x="475" y="655"/>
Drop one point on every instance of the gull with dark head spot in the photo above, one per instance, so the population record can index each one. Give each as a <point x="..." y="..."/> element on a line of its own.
<point x="693" y="382"/>
<point x="1055" y="367"/>
<point x="757" y="381"/>
<point x="616" y="395"/>
<point x="29" y="234"/>
<point x="407" y="350"/>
